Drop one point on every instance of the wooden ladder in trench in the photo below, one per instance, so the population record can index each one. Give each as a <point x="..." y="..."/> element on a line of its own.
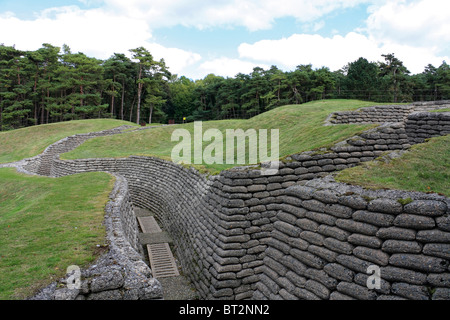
<point x="157" y="242"/>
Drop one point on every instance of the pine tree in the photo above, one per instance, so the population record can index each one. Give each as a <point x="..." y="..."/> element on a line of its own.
<point x="149" y="70"/>
<point x="15" y="102"/>
<point x="394" y="73"/>
<point x="85" y="80"/>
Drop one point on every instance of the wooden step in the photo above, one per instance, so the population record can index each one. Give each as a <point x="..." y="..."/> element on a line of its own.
<point x="162" y="261"/>
<point x="149" y="225"/>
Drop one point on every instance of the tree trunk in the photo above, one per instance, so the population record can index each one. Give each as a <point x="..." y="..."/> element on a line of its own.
<point x="112" y="103"/>
<point x="43" y="107"/>
<point x="140" y="85"/>
<point x="18" y="75"/>
<point x="131" y="109"/>
<point x="295" y="91"/>
<point x="279" y="89"/>
<point x="151" y="113"/>
<point x="1" y="116"/>
<point x="35" y="102"/>
<point x="123" y="99"/>
<point x="395" y="87"/>
<point x="112" y="96"/>
<point x="82" y="93"/>
<point x="138" y="109"/>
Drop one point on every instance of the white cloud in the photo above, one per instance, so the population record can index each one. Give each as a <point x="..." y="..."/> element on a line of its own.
<point x="252" y="14"/>
<point x="227" y="67"/>
<point x="96" y="32"/>
<point x="415" y="31"/>
<point x="415" y="23"/>
<point x="176" y="59"/>
<point x="414" y="58"/>
<point x="319" y="51"/>
<point x="335" y="52"/>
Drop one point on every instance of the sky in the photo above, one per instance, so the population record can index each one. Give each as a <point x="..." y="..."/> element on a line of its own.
<point x="227" y="37"/>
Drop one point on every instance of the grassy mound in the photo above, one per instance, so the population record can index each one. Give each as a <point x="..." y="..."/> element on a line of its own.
<point x="300" y="128"/>
<point x="425" y="168"/>
<point x="46" y="225"/>
<point x="28" y="142"/>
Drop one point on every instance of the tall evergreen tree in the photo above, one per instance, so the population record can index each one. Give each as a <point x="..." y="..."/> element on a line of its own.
<point x="394" y="74"/>
<point x="15" y="102"/>
<point x="47" y="85"/>
<point x="146" y="64"/>
<point x="85" y="76"/>
<point x="361" y="81"/>
<point x="443" y="81"/>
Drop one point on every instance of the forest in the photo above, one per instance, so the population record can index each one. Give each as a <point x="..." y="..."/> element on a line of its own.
<point x="54" y="84"/>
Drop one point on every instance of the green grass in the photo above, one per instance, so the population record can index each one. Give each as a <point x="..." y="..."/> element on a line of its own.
<point x="441" y="110"/>
<point x="46" y="225"/>
<point x="425" y="168"/>
<point x="300" y="126"/>
<point x="28" y="142"/>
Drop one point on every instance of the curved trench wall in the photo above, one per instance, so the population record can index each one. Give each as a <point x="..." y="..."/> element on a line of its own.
<point x="216" y="245"/>
<point x="42" y="163"/>
<point x="385" y="113"/>
<point x="120" y="274"/>
<point x="330" y="234"/>
<point x="241" y="235"/>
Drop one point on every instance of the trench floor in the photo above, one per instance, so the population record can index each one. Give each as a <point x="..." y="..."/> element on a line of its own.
<point x="164" y="265"/>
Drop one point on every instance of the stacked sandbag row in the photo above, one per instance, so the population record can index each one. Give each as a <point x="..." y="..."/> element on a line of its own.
<point x="42" y="164"/>
<point x="375" y="114"/>
<point x="424" y="125"/>
<point x="327" y="237"/>
<point x="385" y="113"/>
<point x="120" y="274"/>
<point x="421" y="106"/>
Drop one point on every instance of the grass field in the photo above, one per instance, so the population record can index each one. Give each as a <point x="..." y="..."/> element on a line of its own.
<point x="300" y="128"/>
<point x="425" y="168"/>
<point x="28" y="142"/>
<point x="46" y="225"/>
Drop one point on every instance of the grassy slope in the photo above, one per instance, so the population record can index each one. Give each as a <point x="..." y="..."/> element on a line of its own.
<point x="301" y="129"/>
<point x="441" y="110"/>
<point x="46" y="225"/>
<point x="425" y="168"/>
<point x="31" y="141"/>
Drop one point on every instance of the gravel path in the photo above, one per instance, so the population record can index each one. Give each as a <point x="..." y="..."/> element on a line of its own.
<point x="177" y="288"/>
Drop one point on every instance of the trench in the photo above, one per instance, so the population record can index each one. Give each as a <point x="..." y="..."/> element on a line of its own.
<point x="175" y="284"/>
<point x="241" y="235"/>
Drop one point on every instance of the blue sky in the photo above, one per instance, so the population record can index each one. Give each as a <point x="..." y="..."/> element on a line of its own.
<point x="224" y="37"/>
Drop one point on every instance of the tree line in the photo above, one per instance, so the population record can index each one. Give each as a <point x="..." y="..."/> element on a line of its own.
<point x="54" y="84"/>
